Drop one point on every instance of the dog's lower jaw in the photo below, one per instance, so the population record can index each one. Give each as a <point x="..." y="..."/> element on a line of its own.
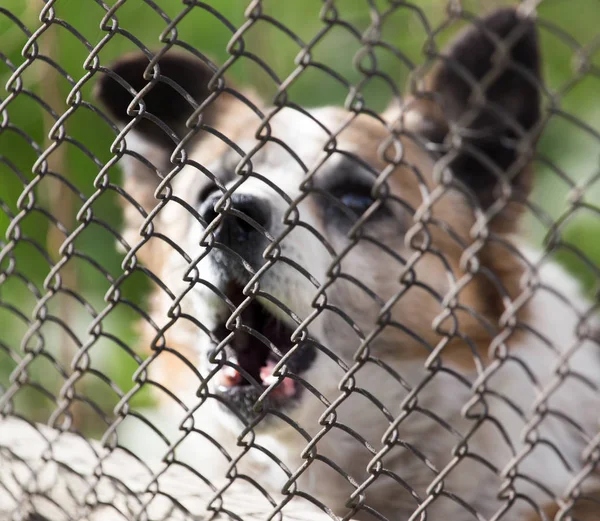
<point x="335" y="448"/>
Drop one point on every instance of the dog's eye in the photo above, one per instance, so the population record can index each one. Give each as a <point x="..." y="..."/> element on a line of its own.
<point x="355" y="197"/>
<point x="347" y="202"/>
<point x="357" y="202"/>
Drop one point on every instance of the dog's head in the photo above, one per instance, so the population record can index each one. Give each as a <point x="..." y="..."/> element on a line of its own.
<point x="320" y="231"/>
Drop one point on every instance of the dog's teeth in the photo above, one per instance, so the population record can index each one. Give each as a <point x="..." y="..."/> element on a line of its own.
<point x="271" y="379"/>
<point x="230" y="376"/>
<point x="286" y="387"/>
<point x="266" y="373"/>
<point x="230" y="372"/>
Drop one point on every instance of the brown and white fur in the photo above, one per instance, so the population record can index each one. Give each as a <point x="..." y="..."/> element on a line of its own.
<point x="499" y="287"/>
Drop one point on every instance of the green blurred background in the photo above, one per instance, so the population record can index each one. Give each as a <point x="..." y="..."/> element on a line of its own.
<point x="568" y="165"/>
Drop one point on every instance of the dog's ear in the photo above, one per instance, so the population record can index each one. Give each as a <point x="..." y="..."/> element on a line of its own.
<point x="482" y="100"/>
<point x="181" y="82"/>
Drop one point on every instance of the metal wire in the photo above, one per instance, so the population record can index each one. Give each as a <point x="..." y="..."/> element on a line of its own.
<point x="53" y="305"/>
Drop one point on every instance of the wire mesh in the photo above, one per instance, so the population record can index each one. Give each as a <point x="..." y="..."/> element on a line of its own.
<point x="218" y="301"/>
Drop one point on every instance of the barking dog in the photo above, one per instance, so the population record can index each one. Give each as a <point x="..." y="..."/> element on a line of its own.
<point x="353" y="279"/>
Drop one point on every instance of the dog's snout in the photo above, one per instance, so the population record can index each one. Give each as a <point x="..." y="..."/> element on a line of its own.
<point x="247" y="216"/>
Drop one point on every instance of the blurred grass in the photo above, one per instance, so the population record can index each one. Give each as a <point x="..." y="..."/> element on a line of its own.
<point x="564" y="147"/>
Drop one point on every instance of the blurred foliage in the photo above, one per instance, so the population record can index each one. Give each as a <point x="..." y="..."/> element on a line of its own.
<point x="569" y="152"/>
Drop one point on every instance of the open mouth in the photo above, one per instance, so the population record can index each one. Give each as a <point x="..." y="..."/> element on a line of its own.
<point x="257" y="346"/>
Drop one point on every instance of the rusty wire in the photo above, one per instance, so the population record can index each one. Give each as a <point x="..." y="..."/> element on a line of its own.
<point x="61" y="414"/>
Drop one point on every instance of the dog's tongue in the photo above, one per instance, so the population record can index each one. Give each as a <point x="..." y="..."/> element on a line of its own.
<point x="286" y="385"/>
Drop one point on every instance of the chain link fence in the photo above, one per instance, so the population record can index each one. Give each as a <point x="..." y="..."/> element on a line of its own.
<point x="217" y="302"/>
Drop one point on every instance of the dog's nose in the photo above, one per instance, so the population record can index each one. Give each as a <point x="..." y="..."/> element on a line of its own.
<point x="242" y="222"/>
